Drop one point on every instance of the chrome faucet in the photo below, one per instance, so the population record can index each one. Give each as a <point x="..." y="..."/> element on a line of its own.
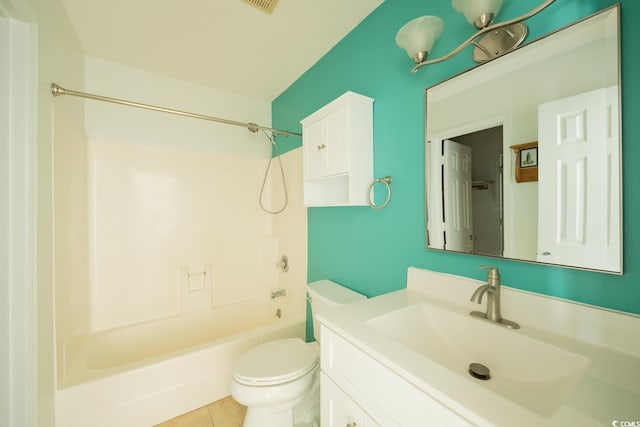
<point x="492" y="289"/>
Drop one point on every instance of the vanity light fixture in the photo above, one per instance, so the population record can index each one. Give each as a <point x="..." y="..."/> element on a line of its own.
<point x="491" y="40"/>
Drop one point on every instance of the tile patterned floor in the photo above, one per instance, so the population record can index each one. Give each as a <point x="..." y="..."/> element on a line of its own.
<point x="223" y="413"/>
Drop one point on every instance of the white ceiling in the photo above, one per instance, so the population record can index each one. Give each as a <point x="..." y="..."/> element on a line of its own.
<point x="225" y="44"/>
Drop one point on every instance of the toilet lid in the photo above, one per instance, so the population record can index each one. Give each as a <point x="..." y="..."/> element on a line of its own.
<point x="275" y="362"/>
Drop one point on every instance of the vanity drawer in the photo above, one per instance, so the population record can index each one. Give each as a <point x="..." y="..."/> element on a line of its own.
<point x="338" y="409"/>
<point x="386" y="397"/>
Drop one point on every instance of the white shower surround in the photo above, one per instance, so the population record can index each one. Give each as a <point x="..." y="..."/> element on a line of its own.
<point x="145" y="373"/>
<point x="106" y="301"/>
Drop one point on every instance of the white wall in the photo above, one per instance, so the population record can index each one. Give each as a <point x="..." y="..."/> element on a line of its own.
<point x="110" y="122"/>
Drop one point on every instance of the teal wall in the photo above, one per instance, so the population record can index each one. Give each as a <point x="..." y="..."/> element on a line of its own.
<point x="368" y="250"/>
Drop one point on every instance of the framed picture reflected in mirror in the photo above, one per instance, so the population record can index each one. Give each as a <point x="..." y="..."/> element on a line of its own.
<point x="526" y="164"/>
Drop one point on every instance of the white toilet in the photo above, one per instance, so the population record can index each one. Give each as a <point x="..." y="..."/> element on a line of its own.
<point x="279" y="381"/>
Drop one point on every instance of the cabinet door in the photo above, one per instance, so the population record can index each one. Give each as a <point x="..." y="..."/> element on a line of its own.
<point x="315" y="150"/>
<point x="326" y="145"/>
<point x="337" y="408"/>
<point x="337" y="143"/>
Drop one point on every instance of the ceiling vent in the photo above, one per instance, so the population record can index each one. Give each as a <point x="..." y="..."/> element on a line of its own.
<point x="264" y="5"/>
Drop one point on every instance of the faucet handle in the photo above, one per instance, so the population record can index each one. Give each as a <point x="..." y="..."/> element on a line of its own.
<point x="493" y="273"/>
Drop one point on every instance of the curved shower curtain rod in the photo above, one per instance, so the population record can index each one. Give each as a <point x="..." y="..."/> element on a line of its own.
<point x="58" y="90"/>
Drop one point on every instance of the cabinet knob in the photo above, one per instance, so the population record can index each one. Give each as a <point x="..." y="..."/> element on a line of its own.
<point x="352" y="425"/>
<point x="320" y="147"/>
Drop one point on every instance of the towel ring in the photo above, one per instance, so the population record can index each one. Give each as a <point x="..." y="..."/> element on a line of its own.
<point x="387" y="183"/>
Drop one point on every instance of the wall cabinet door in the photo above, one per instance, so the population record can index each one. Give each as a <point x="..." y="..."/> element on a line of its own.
<point x="325" y="145"/>
<point x="337" y="160"/>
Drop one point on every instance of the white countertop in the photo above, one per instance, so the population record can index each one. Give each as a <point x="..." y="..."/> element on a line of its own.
<point x="608" y="391"/>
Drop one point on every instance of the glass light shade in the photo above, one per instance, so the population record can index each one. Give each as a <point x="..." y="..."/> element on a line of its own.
<point x="418" y="35"/>
<point x="473" y="9"/>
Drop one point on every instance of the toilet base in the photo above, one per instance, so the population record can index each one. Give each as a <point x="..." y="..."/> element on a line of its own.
<point x="304" y="414"/>
<point x="307" y="412"/>
<point x="265" y="418"/>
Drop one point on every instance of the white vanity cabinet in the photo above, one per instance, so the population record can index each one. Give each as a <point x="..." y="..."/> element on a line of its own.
<point x="401" y="359"/>
<point x="355" y="388"/>
<point x="337" y="145"/>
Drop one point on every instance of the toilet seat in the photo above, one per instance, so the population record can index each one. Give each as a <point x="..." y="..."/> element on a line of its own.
<point x="275" y="362"/>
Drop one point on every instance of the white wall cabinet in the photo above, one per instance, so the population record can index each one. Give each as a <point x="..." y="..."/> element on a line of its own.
<point x="337" y="145"/>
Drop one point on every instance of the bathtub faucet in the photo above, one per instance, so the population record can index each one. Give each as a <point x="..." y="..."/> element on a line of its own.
<point x="278" y="294"/>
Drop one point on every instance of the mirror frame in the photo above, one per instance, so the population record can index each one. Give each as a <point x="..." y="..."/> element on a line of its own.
<point x="615" y="8"/>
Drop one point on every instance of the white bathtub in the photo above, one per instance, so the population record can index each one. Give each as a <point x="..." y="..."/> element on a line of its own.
<point x="148" y="373"/>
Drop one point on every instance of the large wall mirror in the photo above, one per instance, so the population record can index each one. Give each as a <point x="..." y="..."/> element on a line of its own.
<point x="522" y="156"/>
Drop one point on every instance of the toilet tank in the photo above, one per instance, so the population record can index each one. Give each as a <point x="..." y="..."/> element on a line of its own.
<point x="325" y="295"/>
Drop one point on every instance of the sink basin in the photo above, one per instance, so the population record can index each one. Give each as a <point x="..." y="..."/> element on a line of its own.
<point x="529" y="372"/>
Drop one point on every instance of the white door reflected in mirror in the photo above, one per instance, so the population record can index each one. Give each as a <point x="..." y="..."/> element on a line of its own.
<point x="578" y="211"/>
